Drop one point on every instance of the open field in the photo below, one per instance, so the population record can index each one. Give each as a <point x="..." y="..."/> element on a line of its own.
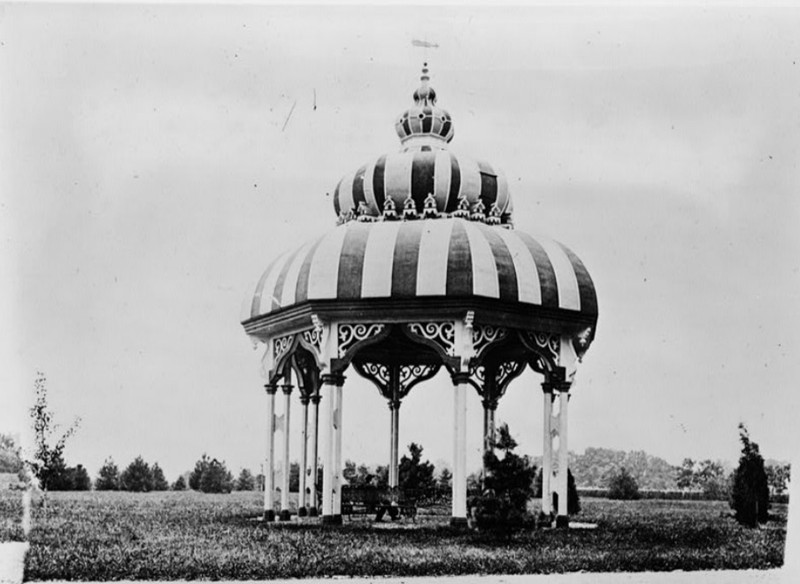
<point x="111" y="536"/>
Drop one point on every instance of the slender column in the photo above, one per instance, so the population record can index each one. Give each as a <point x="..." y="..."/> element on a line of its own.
<point x="459" y="512"/>
<point x="562" y="519"/>
<point x="489" y="407"/>
<point x="394" y="444"/>
<point x="547" y="451"/>
<point x="337" y="450"/>
<point x="331" y="448"/>
<point x="269" y="510"/>
<point x="287" y="400"/>
<point x="302" y="511"/>
<point x="313" y="443"/>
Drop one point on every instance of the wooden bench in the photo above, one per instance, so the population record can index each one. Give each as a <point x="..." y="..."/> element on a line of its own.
<point x="377" y="501"/>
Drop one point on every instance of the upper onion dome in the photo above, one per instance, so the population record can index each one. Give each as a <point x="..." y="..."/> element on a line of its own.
<point x="424" y="179"/>
<point x="424" y="119"/>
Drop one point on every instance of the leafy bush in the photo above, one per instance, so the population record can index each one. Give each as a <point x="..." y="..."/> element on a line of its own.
<point x="179" y="485"/>
<point x="623" y="486"/>
<point x="750" y="489"/>
<point x="502" y="508"/>
<point x="108" y="477"/>
<point x="138" y="477"/>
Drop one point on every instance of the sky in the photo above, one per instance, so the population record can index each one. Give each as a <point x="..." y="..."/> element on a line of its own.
<point x="156" y="159"/>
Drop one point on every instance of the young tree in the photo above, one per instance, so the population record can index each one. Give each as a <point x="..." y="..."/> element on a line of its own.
<point x="685" y="478"/>
<point x="108" y="477"/>
<point x="138" y="477"/>
<point x="199" y="467"/>
<point x="778" y="476"/>
<point x="246" y="481"/>
<point x="47" y="464"/>
<point x="710" y="477"/>
<point x="445" y="480"/>
<point x="414" y="474"/>
<point x="750" y="489"/>
<point x="623" y="486"/>
<point x="179" y="484"/>
<point x="77" y="479"/>
<point x="159" y="481"/>
<point x="507" y="488"/>
<point x="216" y="478"/>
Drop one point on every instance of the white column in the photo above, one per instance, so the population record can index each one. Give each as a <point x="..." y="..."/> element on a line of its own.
<point x="269" y="510"/>
<point x="459" y="512"/>
<point x="547" y="451"/>
<point x="313" y="443"/>
<point x="332" y="448"/>
<point x="287" y="400"/>
<point x="563" y="459"/>
<point x="302" y="510"/>
<point x="337" y="450"/>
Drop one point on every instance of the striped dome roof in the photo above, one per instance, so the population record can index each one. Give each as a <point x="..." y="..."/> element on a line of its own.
<point x="417" y="172"/>
<point x="424" y="167"/>
<point x="429" y="258"/>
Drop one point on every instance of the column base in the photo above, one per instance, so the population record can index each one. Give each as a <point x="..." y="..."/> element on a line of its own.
<point x="269" y="515"/>
<point x="302" y="512"/>
<point x="285" y="515"/>
<point x="458" y="522"/>
<point x="313" y="512"/>
<point x="331" y="520"/>
<point x="562" y="521"/>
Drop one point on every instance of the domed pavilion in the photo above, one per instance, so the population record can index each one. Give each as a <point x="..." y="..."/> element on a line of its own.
<point x="423" y="271"/>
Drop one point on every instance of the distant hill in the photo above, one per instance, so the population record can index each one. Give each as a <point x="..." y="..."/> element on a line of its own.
<point x="595" y="466"/>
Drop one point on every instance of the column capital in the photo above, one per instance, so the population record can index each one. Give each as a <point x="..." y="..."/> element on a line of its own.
<point x="287" y="388"/>
<point x="490" y="403"/>
<point x="304" y="399"/>
<point x="315" y="399"/>
<point x="559" y="386"/>
<point x="332" y="379"/>
<point x="394" y="404"/>
<point x="460" y="377"/>
<point x="271" y="388"/>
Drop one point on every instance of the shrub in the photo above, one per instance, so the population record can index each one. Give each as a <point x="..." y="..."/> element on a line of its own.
<point x="138" y="477"/>
<point x="108" y="477"/>
<point x="179" y="485"/>
<point x="750" y="488"/>
<point x="622" y="485"/>
<point x="502" y="508"/>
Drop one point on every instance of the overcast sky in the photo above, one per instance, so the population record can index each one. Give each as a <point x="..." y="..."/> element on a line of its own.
<point x="154" y="160"/>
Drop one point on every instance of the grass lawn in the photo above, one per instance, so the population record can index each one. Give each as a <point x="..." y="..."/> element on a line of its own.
<point x="111" y="536"/>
